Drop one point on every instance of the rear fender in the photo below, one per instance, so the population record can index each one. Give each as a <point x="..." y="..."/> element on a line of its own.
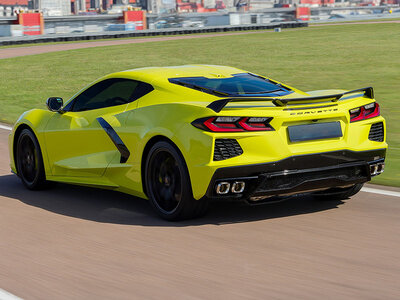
<point x="143" y="124"/>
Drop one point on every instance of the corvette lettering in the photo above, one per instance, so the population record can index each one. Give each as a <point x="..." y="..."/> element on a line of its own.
<point x="312" y="112"/>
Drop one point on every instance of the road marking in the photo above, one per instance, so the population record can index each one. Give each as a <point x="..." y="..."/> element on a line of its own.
<point x="4" y="295"/>
<point x="5" y="127"/>
<point x="379" y="191"/>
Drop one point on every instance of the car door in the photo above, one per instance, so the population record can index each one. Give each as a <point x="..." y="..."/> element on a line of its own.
<point x="78" y="142"/>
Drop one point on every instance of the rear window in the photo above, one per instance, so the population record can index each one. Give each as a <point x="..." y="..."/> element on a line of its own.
<point x="243" y="84"/>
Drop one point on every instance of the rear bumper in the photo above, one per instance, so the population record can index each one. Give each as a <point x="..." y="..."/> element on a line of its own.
<point x="299" y="174"/>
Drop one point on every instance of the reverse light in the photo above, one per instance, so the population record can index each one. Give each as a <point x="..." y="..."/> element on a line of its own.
<point x="227" y="119"/>
<point x="233" y="124"/>
<point x="368" y="111"/>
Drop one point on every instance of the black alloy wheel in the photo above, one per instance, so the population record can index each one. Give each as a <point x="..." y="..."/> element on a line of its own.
<point x="29" y="161"/>
<point x="168" y="184"/>
<point x="166" y="181"/>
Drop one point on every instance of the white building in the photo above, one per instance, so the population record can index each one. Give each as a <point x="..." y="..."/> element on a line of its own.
<point x="55" y="7"/>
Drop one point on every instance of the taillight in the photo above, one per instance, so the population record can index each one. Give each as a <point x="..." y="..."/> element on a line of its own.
<point x="233" y="124"/>
<point x="255" y="124"/>
<point x="368" y="111"/>
<point x="222" y="124"/>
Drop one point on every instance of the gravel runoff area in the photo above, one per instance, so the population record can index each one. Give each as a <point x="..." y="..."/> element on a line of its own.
<point x="46" y="48"/>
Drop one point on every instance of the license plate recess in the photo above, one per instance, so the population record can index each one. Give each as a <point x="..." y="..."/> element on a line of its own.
<point x="317" y="131"/>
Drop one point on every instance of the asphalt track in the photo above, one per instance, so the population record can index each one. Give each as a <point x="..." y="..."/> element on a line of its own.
<point x="46" y="48"/>
<point x="72" y="242"/>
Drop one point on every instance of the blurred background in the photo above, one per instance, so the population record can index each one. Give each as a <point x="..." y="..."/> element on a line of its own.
<point x="96" y="16"/>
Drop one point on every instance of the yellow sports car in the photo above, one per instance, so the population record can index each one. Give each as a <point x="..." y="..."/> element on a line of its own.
<point x="181" y="136"/>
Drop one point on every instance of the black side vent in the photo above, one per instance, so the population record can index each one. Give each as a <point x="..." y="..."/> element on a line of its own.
<point x="226" y="148"/>
<point x="376" y="133"/>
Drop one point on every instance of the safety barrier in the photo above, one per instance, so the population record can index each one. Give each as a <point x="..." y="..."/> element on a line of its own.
<point x="141" y="33"/>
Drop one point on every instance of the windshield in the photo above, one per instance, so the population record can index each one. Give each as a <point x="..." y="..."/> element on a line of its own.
<point x="243" y="84"/>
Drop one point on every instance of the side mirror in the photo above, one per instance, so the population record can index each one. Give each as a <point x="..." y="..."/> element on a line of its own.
<point x="54" y="103"/>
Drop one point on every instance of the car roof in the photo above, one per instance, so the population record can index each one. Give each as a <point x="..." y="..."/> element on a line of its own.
<point x="161" y="75"/>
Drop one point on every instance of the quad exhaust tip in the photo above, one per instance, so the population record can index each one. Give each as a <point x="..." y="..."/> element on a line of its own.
<point x="225" y="187"/>
<point x="377" y="169"/>
<point x="238" y="187"/>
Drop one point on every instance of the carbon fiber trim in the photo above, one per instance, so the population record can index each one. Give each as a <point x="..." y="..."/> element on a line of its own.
<point x="115" y="139"/>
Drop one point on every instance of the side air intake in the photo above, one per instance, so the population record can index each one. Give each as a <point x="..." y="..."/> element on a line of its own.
<point x="226" y="148"/>
<point x="376" y="133"/>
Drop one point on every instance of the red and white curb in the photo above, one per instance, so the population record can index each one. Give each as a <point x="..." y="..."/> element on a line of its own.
<point x="4" y="295"/>
<point x="364" y="189"/>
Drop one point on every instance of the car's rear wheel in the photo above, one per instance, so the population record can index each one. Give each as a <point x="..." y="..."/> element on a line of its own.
<point x="29" y="161"/>
<point x="338" y="193"/>
<point x="168" y="184"/>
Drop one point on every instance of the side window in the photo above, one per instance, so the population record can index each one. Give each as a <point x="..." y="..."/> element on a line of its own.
<point x="110" y="92"/>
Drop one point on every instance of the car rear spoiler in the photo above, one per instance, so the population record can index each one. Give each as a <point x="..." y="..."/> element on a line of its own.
<point x="218" y="105"/>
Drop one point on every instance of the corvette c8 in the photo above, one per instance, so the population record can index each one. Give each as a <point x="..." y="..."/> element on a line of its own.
<point x="181" y="136"/>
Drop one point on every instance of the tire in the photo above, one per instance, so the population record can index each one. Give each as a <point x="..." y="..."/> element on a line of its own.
<point x="29" y="161"/>
<point x="168" y="184"/>
<point x="338" y="193"/>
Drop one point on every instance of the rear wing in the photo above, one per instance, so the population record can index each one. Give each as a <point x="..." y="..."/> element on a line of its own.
<point x="218" y="105"/>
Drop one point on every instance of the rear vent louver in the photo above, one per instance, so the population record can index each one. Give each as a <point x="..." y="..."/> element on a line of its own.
<point x="226" y="148"/>
<point x="376" y="133"/>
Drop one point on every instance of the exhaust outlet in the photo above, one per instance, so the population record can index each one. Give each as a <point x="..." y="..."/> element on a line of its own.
<point x="238" y="187"/>
<point x="374" y="169"/>
<point x="222" y="188"/>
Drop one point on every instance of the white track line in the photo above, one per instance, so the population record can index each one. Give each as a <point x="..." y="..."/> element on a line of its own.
<point x="6" y="128"/>
<point x="364" y="189"/>
<point x="4" y="295"/>
<point x="379" y="191"/>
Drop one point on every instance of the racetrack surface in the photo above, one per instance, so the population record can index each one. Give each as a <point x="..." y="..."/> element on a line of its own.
<point x="46" y="48"/>
<point x="73" y="242"/>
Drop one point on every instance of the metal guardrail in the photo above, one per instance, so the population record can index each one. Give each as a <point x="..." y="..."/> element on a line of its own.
<point x="7" y="20"/>
<point x="90" y="27"/>
<point x="141" y="33"/>
<point x="322" y="8"/>
<point x="105" y="17"/>
<point x="382" y="8"/>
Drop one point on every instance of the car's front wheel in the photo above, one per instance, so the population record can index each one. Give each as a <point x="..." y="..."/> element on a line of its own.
<point x="29" y="161"/>
<point x="168" y="184"/>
